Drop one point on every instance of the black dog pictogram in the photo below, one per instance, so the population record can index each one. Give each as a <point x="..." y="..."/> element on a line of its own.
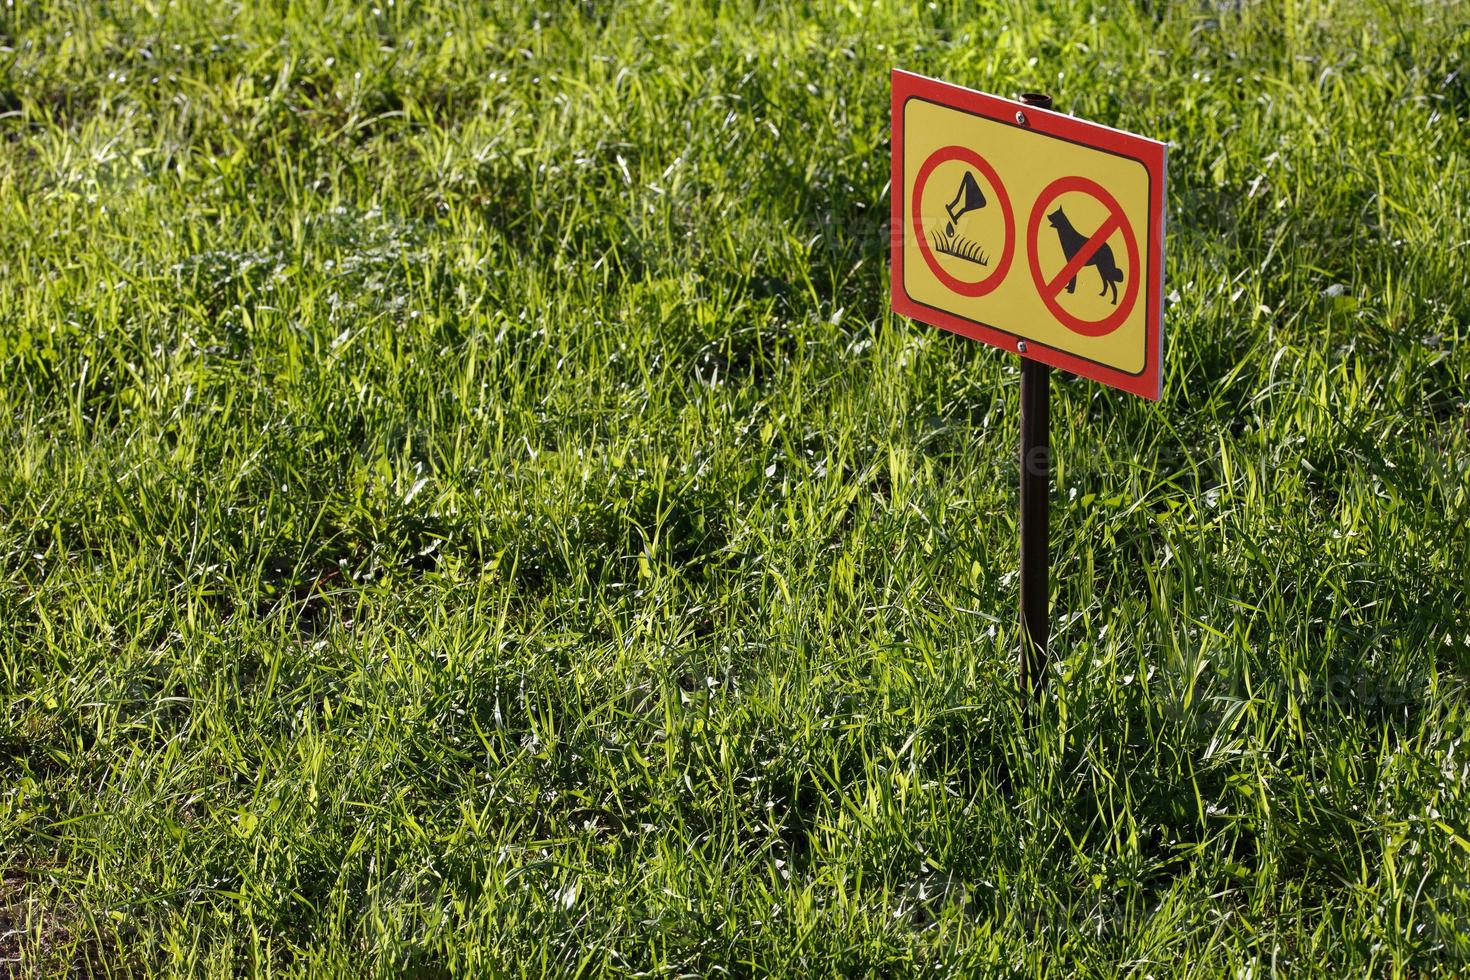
<point x="1072" y="240"/>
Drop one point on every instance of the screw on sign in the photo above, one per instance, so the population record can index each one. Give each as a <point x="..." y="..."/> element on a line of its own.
<point x="1090" y="301"/>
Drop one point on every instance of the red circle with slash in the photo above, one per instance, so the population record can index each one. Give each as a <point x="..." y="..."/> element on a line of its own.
<point x="998" y="274"/>
<point x="1115" y="221"/>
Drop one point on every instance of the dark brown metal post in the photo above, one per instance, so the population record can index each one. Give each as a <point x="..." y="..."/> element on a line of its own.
<point x="1035" y="522"/>
<point x="1035" y="518"/>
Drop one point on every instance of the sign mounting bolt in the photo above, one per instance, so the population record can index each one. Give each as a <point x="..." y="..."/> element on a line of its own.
<point x="1020" y="117"/>
<point x="1021" y="346"/>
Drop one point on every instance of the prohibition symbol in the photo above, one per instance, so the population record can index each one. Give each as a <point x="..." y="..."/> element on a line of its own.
<point x="969" y="197"/>
<point x="1079" y="256"/>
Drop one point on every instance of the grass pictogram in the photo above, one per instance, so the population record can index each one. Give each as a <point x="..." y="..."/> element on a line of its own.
<point x="960" y="248"/>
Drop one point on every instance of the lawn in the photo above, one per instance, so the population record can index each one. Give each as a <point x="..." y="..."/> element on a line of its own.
<point x="467" y="508"/>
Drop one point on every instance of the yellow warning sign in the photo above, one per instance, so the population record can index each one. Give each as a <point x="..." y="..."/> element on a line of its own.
<point x="1030" y="230"/>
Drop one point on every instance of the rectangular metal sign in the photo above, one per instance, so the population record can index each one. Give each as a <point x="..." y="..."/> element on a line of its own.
<point x="1029" y="230"/>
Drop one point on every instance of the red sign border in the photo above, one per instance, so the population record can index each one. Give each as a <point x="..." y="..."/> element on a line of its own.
<point x="1151" y="154"/>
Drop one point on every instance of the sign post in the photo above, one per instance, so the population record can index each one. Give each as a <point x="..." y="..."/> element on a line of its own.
<point x="1035" y="523"/>
<point x="1037" y="233"/>
<point x="1035" y="508"/>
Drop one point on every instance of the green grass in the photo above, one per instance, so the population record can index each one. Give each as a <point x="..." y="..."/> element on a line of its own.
<point x="466" y="508"/>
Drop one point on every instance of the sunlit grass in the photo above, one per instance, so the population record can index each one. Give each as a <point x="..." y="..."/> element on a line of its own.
<point x="467" y="509"/>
